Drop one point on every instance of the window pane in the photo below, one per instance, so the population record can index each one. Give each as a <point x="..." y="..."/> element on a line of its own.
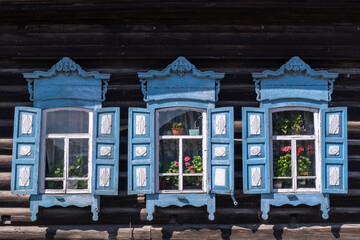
<point x="282" y="183"/>
<point x="66" y="121"/>
<point x="192" y="153"/>
<point x="53" y="184"/>
<point x="169" y="156"/>
<point x="306" y="183"/>
<point x="192" y="183"/>
<point x="77" y="184"/>
<point x="180" y="122"/>
<point x="305" y="152"/>
<point x="282" y="158"/>
<point x="169" y="183"/>
<point x="293" y="123"/>
<point x="54" y="157"/>
<point x="78" y="157"/>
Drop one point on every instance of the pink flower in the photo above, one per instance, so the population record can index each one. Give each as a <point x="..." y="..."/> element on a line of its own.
<point x="187" y="163"/>
<point x="176" y="164"/>
<point x="286" y="149"/>
<point x="191" y="167"/>
<point x="186" y="159"/>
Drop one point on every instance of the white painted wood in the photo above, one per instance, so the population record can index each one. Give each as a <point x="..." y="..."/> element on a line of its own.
<point x="27" y="124"/>
<point x="105" y="151"/>
<point x="255" y="176"/>
<point x="334" y="124"/>
<point x="141" y="151"/>
<point x="25" y="150"/>
<point x="220" y="152"/>
<point x="106" y="123"/>
<point x="220" y="177"/>
<point x="334" y="176"/>
<point x="104" y="177"/>
<point x="255" y="150"/>
<point x="24" y="176"/>
<point x="140" y="125"/>
<point x="220" y="124"/>
<point x="334" y="150"/>
<point x="255" y="125"/>
<point x="141" y="177"/>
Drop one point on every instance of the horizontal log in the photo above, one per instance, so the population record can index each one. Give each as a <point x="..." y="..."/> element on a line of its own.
<point x="7" y="198"/>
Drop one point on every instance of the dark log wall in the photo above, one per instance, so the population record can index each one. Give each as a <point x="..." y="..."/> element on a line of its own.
<point x="122" y="38"/>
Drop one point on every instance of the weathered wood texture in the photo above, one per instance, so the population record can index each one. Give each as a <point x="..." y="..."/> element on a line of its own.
<point x="122" y="38"/>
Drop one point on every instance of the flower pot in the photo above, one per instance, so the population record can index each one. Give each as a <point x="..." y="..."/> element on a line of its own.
<point x="278" y="184"/>
<point x="302" y="182"/>
<point x="177" y="131"/>
<point x="194" y="132"/>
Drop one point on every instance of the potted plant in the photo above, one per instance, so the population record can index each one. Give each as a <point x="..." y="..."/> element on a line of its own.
<point x="303" y="163"/>
<point x="166" y="128"/>
<point x="172" y="180"/>
<point x="195" y="166"/>
<point x="282" y="166"/>
<point x="290" y="125"/>
<point x="196" y="130"/>
<point x="177" y="128"/>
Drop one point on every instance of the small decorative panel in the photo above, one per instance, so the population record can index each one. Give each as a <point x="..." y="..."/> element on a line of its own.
<point x="255" y="177"/>
<point x="220" y="124"/>
<point x="334" y="124"/>
<point x="140" y="151"/>
<point x="220" y="175"/>
<point x="140" y="125"/>
<point x="104" y="177"/>
<point x="24" y="176"/>
<point x="255" y="150"/>
<point x="25" y="150"/>
<point x="334" y="150"/>
<point x="27" y="120"/>
<point x="105" y="151"/>
<point x="220" y="152"/>
<point x="334" y="173"/>
<point x="141" y="177"/>
<point x="255" y="125"/>
<point x="106" y="124"/>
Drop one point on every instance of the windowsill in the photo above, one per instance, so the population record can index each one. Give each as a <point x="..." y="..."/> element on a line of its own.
<point x="181" y="192"/>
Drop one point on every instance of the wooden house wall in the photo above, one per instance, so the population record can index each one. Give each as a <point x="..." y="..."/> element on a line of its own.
<point x="122" y="38"/>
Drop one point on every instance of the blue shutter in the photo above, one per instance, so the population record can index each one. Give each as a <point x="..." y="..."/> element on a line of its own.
<point x="221" y="150"/>
<point x="334" y="154"/>
<point x="106" y="137"/>
<point x="141" y="151"/>
<point x="255" y="149"/>
<point x="25" y="161"/>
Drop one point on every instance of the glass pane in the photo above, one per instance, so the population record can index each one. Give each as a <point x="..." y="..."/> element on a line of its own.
<point x="78" y="157"/>
<point x="305" y="152"/>
<point x="53" y="184"/>
<point x="66" y="121"/>
<point x="282" y="183"/>
<point x="169" y="183"/>
<point x="282" y="158"/>
<point x="54" y="157"/>
<point x="180" y="122"/>
<point x="192" y="183"/>
<point x="306" y="183"/>
<point x="293" y="123"/>
<point x="192" y="153"/>
<point x="77" y="184"/>
<point x="169" y="156"/>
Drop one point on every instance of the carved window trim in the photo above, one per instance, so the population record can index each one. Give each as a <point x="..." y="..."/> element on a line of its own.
<point x="66" y="137"/>
<point x="293" y="139"/>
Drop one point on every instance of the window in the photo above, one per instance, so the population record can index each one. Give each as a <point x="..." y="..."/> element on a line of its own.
<point x="66" y="150"/>
<point x="181" y="149"/>
<point x="294" y="139"/>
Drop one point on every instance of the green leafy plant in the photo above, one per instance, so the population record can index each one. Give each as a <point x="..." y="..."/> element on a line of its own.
<point x="173" y="168"/>
<point x="290" y="125"/>
<point x="282" y="166"/>
<point x="177" y="125"/>
<point x="166" y="126"/>
<point x="195" y="166"/>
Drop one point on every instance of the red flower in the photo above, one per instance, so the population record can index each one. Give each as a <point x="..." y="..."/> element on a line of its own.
<point x="186" y="159"/>
<point x="191" y="167"/>
<point x="312" y="152"/>
<point x="176" y="164"/>
<point x="309" y="147"/>
<point x="286" y="149"/>
<point x="187" y="163"/>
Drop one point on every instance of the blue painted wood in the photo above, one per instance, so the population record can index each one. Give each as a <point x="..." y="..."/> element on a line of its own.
<point x="223" y="141"/>
<point x="310" y="199"/>
<point x="147" y="139"/>
<point x="255" y="140"/>
<point x="29" y="139"/>
<point x="79" y="200"/>
<point x="111" y="140"/>
<point x="66" y="84"/>
<point x="341" y="160"/>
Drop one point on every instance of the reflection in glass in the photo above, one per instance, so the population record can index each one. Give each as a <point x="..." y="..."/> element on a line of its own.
<point x="192" y="152"/>
<point x="169" y="183"/>
<point x="78" y="157"/>
<point x="306" y="183"/>
<point x="66" y="121"/>
<point x="53" y="184"/>
<point x="282" y="183"/>
<point x="169" y="156"/>
<point x="192" y="183"/>
<point x="305" y="154"/>
<point x="77" y="184"/>
<point x="282" y="158"/>
<point x="293" y="123"/>
<point x="180" y="122"/>
<point x="54" y="157"/>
